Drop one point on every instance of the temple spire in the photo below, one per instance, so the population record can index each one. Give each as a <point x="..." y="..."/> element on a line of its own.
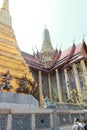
<point x="5" y="5"/>
<point x="46" y="35"/>
<point x="5" y="17"/>
<point x="46" y="46"/>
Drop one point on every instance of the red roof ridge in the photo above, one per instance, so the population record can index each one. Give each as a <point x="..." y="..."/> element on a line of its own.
<point x="71" y="53"/>
<point x="84" y="46"/>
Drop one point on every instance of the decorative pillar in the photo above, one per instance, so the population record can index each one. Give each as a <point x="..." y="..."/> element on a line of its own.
<point x="84" y="74"/>
<point x="67" y="83"/>
<point x="77" y="79"/>
<point x="70" y="118"/>
<point x="33" y="121"/>
<point x="50" y="89"/>
<point x="51" y="120"/>
<point x="84" y="69"/>
<point x="9" y="122"/>
<point x="59" y="87"/>
<point x="40" y="89"/>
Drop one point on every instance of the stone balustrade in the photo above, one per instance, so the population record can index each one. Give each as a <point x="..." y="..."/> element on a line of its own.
<point x="35" y="119"/>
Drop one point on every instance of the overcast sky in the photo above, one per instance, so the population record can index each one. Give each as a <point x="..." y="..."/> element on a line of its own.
<point x="66" y="21"/>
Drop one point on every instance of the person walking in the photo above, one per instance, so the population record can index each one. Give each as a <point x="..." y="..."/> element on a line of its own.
<point x="77" y="125"/>
<point x="85" y="124"/>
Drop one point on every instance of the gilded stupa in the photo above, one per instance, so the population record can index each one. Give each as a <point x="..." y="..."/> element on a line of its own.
<point x="12" y="63"/>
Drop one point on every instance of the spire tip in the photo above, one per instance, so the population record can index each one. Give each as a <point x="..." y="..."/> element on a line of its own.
<point x="5" y="5"/>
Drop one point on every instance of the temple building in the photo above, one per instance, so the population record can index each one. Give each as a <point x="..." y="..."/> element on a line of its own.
<point x="61" y="76"/>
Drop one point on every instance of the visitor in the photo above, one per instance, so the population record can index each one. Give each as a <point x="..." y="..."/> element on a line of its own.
<point x="85" y="124"/>
<point x="77" y="125"/>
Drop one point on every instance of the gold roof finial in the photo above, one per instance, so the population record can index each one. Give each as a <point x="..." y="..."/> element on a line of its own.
<point x="83" y="35"/>
<point x="73" y="40"/>
<point x="5" y="5"/>
<point x="83" y="40"/>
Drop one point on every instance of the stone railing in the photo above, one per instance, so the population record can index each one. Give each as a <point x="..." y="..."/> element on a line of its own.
<point x="67" y="117"/>
<point x="37" y="119"/>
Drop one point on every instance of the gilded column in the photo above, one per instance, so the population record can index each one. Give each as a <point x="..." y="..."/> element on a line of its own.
<point x="59" y="86"/>
<point x="50" y="89"/>
<point x="77" y="78"/>
<point x="40" y="89"/>
<point x="67" y="83"/>
<point x="84" y="69"/>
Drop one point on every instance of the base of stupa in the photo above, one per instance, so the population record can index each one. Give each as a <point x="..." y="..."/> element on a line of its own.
<point x="15" y="101"/>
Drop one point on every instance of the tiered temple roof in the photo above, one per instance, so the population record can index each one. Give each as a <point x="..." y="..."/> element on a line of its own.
<point x="69" y="56"/>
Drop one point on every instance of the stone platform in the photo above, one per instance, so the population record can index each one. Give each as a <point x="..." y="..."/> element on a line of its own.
<point x="20" y="112"/>
<point x="17" y="101"/>
<point x="69" y="106"/>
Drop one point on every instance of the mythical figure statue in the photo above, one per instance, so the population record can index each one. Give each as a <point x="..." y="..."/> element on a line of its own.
<point x="24" y="84"/>
<point x="6" y="82"/>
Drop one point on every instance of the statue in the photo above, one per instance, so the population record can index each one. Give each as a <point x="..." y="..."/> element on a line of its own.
<point x="49" y="104"/>
<point x="23" y="82"/>
<point x="6" y="82"/>
<point x="46" y="102"/>
<point x="24" y="86"/>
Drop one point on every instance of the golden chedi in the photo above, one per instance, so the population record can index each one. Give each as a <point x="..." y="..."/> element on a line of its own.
<point x="12" y="62"/>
